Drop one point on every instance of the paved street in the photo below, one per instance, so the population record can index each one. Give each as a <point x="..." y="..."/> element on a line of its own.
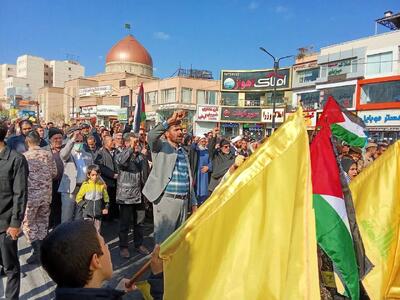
<point x="37" y="285"/>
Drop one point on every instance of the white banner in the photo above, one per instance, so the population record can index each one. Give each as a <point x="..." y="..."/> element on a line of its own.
<point x="88" y="110"/>
<point x="209" y="113"/>
<point x="108" y="110"/>
<point x="95" y="91"/>
<point x="387" y="117"/>
<point x="266" y="115"/>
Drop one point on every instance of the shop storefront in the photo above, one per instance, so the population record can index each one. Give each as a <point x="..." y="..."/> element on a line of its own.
<point x="378" y="104"/>
<point x="206" y="119"/>
<point x="233" y="120"/>
<point x="230" y="129"/>
<point x="266" y="117"/>
<point x="343" y="92"/>
<point x="308" y="99"/>
<point x="254" y="88"/>
<point x="88" y="112"/>
<point x="382" y="124"/>
<point x="166" y="110"/>
<point x="254" y="131"/>
<point x="310" y="120"/>
<point x="108" y="113"/>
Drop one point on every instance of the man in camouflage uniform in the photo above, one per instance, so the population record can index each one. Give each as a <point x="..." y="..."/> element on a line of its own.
<point x="42" y="170"/>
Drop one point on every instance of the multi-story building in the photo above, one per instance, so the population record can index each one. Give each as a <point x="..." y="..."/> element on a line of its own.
<point x="62" y="71"/>
<point x="190" y="94"/>
<point x="112" y="95"/>
<point x="364" y="76"/>
<point x="247" y="101"/>
<point x="31" y="73"/>
<point x="305" y="74"/>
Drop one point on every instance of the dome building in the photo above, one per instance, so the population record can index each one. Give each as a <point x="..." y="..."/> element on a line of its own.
<point x="128" y="55"/>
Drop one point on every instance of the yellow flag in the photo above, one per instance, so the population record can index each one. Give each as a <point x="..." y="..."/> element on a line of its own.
<point x="376" y="195"/>
<point x="254" y="238"/>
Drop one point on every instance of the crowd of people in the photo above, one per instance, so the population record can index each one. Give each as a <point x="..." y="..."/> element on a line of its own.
<point x="353" y="160"/>
<point x="95" y="175"/>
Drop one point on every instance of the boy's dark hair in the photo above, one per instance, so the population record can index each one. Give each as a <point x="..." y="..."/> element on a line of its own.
<point x="3" y="130"/>
<point x="93" y="168"/>
<point x="33" y="137"/>
<point x="25" y="121"/>
<point x="67" y="251"/>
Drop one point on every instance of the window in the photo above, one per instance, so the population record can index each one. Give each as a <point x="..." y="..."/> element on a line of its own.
<point x="380" y="92"/>
<point x="206" y="97"/>
<point x="354" y="64"/>
<point x="253" y="99"/>
<point x="307" y="75"/>
<point x="168" y="95"/>
<point x="8" y="69"/>
<point x="340" y="67"/>
<point x="186" y="95"/>
<point x="125" y="101"/>
<point x="122" y="83"/>
<point x="379" y="63"/>
<point x="27" y="85"/>
<point x="310" y="100"/>
<point x="69" y="69"/>
<point x="230" y="99"/>
<point x="151" y="98"/>
<point x="279" y="97"/>
<point x="324" y="70"/>
<point x="344" y="95"/>
<point x="46" y="81"/>
<point x="47" y="74"/>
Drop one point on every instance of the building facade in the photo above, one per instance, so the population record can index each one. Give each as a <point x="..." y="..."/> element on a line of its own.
<point x="163" y="96"/>
<point x="20" y="84"/>
<point x="246" y="105"/>
<point x="363" y="75"/>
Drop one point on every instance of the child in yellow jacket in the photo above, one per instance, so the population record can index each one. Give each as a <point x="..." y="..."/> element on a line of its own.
<point x="93" y="197"/>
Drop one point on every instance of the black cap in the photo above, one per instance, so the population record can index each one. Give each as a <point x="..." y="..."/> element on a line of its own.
<point x="53" y="131"/>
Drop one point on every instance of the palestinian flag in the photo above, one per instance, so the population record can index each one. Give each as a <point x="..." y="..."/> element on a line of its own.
<point x="140" y="111"/>
<point x="344" y="124"/>
<point x="333" y="229"/>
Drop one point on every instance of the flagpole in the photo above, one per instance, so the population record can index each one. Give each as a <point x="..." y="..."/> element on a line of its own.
<point x="138" y="274"/>
<point x="364" y="264"/>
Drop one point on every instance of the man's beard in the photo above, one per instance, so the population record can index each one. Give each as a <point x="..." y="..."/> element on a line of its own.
<point x="201" y="147"/>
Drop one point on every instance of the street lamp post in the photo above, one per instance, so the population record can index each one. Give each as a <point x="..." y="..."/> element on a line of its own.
<point x="276" y="68"/>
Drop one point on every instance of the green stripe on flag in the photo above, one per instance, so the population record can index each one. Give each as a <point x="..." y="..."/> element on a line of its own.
<point x="334" y="238"/>
<point x="348" y="136"/>
<point x="142" y="116"/>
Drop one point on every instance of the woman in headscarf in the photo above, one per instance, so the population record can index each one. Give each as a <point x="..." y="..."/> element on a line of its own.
<point x="350" y="168"/>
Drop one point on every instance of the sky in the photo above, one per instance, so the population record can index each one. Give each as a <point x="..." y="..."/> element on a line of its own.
<point x="202" y="34"/>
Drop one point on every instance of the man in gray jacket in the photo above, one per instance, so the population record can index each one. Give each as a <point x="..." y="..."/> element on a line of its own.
<point x="76" y="161"/>
<point x="133" y="172"/>
<point x="170" y="184"/>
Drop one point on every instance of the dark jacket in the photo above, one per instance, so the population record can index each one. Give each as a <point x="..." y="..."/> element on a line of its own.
<point x="88" y="294"/>
<point x="43" y="143"/>
<point x="156" y="286"/>
<point x="105" y="160"/>
<point x="220" y="163"/>
<point x="13" y="188"/>
<point x="17" y="143"/>
<point x="133" y="173"/>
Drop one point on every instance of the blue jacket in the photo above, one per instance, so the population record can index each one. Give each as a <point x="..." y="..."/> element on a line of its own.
<point x="17" y="143"/>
